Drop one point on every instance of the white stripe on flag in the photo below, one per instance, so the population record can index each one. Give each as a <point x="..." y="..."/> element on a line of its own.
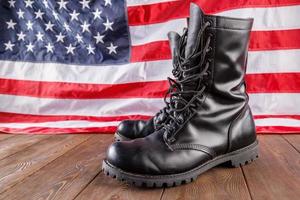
<point x="273" y="18"/>
<point x="155" y="32"/>
<point x="275" y="103"/>
<point x="145" y="2"/>
<point x="261" y="104"/>
<point x="277" y="61"/>
<point x="90" y="107"/>
<point x="133" y="72"/>
<point x="277" y="122"/>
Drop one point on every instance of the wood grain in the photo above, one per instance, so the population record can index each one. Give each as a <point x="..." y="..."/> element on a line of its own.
<point x="11" y="145"/>
<point x="66" y="176"/>
<point x="294" y="140"/>
<point x="17" y="167"/>
<point x="69" y="167"/>
<point x="276" y="174"/>
<point x="217" y="183"/>
<point x="106" y="188"/>
<point x="5" y="136"/>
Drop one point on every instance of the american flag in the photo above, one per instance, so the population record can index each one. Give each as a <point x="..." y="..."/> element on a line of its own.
<point x="84" y="65"/>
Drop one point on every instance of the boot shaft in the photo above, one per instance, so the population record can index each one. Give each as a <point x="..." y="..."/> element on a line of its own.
<point x="229" y="57"/>
<point x="223" y="117"/>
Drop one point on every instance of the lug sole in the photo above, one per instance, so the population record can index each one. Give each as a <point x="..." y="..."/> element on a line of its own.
<point x="119" y="137"/>
<point x="236" y="159"/>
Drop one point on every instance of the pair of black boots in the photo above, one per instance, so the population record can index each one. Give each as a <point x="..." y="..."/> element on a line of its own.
<point x="207" y="120"/>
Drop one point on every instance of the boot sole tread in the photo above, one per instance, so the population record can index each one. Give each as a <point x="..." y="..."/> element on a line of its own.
<point x="237" y="158"/>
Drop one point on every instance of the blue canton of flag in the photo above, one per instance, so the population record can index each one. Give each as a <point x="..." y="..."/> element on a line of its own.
<point x="72" y="32"/>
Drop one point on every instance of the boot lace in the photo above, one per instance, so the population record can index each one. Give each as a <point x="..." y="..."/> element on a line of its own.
<point x="162" y="115"/>
<point x="189" y="70"/>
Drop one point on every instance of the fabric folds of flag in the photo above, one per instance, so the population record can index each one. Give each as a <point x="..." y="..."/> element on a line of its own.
<point x="83" y="66"/>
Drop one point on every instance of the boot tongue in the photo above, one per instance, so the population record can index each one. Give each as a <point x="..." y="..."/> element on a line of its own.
<point x="194" y="26"/>
<point x="173" y="41"/>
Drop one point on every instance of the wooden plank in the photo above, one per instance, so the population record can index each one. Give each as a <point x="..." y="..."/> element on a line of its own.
<point x="17" y="167"/>
<point x="294" y="140"/>
<point x="5" y="136"/>
<point x="106" y="188"/>
<point x="12" y="145"/>
<point x="218" y="183"/>
<point x="276" y="174"/>
<point x="66" y="176"/>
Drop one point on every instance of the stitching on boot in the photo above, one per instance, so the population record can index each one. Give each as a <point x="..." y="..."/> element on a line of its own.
<point x="197" y="147"/>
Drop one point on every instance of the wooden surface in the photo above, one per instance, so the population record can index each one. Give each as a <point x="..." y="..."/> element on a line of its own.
<point x="69" y="167"/>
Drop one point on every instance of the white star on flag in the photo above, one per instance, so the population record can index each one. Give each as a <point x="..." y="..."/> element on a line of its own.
<point x="49" y="26"/>
<point x="74" y="15"/>
<point x="112" y="48"/>
<point x="49" y="48"/>
<point x="29" y="25"/>
<point x="99" y="38"/>
<point x="70" y="49"/>
<point x="30" y="47"/>
<point x="9" y="46"/>
<point x="20" y="14"/>
<point x="85" y="27"/>
<point x="85" y="4"/>
<point x="39" y="36"/>
<point x="11" y="3"/>
<point x="62" y="4"/>
<point x="79" y="38"/>
<point x="67" y="27"/>
<point x="108" y="25"/>
<point x="39" y="14"/>
<point x="60" y="37"/>
<point x="90" y="49"/>
<point x="55" y="15"/>
<point x="97" y="14"/>
<point x="11" y="24"/>
<point x="28" y="3"/>
<point x="21" y="36"/>
<point x="45" y="2"/>
<point x="107" y="2"/>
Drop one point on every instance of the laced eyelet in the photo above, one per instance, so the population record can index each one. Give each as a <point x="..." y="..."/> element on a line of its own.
<point x="209" y="22"/>
<point x="171" y="139"/>
<point x="209" y="49"/>
<point x="180" y="121"/>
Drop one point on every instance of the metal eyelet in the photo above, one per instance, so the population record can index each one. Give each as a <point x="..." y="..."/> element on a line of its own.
<point x="180" y="120"/>
<point x="209" y="49"/>
<point x="210" y="22"/>
<point x="171" y="139"/>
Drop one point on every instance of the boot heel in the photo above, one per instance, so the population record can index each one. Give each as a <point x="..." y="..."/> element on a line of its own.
<point x="245" y="157"/>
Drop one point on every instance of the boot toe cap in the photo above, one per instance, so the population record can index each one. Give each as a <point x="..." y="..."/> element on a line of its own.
<point x="130" y="156"/>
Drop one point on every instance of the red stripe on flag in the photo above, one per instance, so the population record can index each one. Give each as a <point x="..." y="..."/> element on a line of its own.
<point x="49" y="130"/>
<point x="157" y="13"/>
<point x="152" y="13"/>
<point x="275" y="40"/>
<point x="256" y="83"/>
<point x="277" y="130"/>
<point x="215" y="6"/>
<point x="273" y="83"/>
<point x="112" y="129"/>
<point x="259" y="41"/>
<point x="61" y="90"/>
<point x="28" y="118"/>
<point x="277" y="116"/>
<point x="159" y="50"/>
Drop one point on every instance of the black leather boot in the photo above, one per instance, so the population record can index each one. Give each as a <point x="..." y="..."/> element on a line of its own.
<point x="132" y="129"/>
<point x="209" y="123"/>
